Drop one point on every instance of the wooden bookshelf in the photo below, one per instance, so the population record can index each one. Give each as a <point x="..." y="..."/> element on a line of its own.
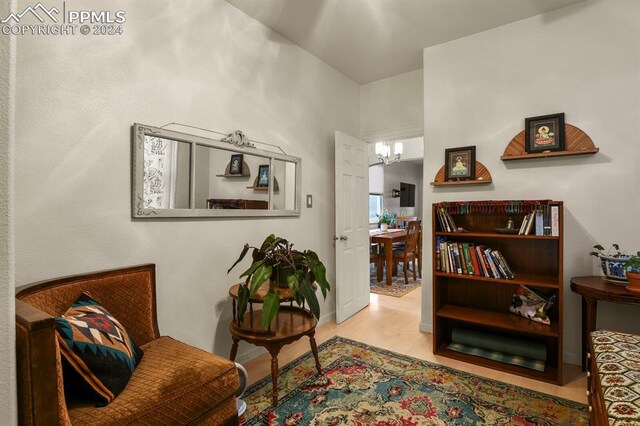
<point x="482" y="303"/>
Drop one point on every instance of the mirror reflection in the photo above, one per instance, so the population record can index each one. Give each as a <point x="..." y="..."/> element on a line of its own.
<point x="166" y="173"/>
<point x="178" y="175"/>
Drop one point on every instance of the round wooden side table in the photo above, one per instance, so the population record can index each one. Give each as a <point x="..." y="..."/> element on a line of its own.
<point x="290" y="324"/>
<point x="592" y="289"/>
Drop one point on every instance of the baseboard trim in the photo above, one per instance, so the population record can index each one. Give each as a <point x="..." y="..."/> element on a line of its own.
<point x="426" y="327"/>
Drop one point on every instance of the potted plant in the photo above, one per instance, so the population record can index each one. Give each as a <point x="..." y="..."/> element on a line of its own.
<point x="277" y="261"/>
<point x="612" y="262"/>
<point x="385" y="219"/>
<point x="633" y="272"/>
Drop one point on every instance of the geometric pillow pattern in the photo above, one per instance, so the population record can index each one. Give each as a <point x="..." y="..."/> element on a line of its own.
<point x="618" y="361"/>
<point x="97" y="346"/>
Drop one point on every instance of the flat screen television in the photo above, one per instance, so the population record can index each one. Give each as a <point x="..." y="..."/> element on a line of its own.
<point x="407" y="195"/>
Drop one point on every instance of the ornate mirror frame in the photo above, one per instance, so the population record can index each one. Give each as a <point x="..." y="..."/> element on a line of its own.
<point x="230" y="145"/>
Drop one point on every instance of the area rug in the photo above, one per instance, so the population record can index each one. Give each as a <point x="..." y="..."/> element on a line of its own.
<point x="397" y="288"/>
<point x="365" y="385"/>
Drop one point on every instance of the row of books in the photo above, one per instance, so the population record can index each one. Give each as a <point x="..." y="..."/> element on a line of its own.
<point x="471" y="259"/>
<point x="542" y="221"/>
<point x="446" y="221"/>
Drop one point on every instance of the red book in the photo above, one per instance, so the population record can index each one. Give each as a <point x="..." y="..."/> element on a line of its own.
<point x="474" y="260"/>
<point x="485" y="268"/>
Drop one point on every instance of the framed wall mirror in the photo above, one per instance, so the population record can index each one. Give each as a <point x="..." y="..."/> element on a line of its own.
<point x="176" y="174"/>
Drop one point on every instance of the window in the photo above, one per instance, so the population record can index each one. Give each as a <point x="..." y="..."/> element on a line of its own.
<point x="375" y="207"/>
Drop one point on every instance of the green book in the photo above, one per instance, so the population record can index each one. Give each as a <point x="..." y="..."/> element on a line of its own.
<point x="467" y="257"/>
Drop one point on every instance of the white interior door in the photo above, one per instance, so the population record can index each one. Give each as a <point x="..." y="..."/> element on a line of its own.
<point x="352" y="226"/>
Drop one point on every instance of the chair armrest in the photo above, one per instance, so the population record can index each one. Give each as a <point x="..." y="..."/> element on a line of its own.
<point x="36" y="365"/>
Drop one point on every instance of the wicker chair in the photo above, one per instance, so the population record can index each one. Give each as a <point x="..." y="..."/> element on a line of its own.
<point x="173" y="384"/>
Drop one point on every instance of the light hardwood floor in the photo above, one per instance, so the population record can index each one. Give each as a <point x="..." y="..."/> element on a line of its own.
<point x="393" y="323"/>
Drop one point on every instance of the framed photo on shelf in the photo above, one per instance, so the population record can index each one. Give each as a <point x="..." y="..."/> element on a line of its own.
<point x="544" y="133"/>
<point x="235" y="165"/>
<point x="263" y="175"/>
<point x="460" y="163"/>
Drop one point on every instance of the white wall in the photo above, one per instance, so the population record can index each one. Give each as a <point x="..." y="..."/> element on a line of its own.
<point x="581" y="60"/>
<point x="7" y="248"/>
<point x="201" y="63"/>
<point x="392" y="107"/>
<point x="402" y="172"/>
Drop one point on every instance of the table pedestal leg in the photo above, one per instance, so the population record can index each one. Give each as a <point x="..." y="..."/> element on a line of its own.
<point x="589" y="316"/>
<point x="388" y="256"/>
<point x="274" y="376"/>
<point x="234" y="349"/>
<point x="314" y="350"/>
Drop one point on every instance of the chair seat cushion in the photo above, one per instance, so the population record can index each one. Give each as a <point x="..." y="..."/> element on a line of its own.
<point x="174" y="384"/>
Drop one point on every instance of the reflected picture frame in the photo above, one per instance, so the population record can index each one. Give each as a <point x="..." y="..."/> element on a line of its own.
<point x="544" y="133"/>
<point x="235" y="164"/>
<point x="263" y="176"/>
<point x="460" y="163"/>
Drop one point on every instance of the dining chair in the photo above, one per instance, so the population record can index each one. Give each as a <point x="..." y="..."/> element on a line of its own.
<point x="410" y="251"/>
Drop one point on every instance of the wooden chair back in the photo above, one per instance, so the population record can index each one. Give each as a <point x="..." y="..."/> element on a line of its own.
<point x="411" y="239"/>
<point x="403" y="221"/>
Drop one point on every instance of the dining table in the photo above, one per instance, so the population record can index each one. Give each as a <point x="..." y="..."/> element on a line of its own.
<point x="387" y="238"/>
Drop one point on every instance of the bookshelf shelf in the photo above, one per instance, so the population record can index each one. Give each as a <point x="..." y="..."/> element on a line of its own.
<point x="549" y="375"/>
<point x="480" y="302"/>
<point x="504" y="321"/>
<point x="522" y="278"/>
<point x="495" y="235"/>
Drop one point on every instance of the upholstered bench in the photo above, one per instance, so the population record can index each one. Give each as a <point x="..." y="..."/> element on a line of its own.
<point x="173" y="384"/>
<point x="613" y="383"/>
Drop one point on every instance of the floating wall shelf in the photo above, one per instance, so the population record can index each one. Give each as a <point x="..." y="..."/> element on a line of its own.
<point x="246" y="172"/>
<point x="255" y="186"/>
<point x="482" y="177"/>
<point x="577" y="142"/>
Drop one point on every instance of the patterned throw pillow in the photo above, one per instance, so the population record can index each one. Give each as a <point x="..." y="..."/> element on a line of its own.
<point x="97" y="346"/>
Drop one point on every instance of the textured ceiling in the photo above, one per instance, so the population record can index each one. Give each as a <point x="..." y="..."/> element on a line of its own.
<point x="368" y="40"/>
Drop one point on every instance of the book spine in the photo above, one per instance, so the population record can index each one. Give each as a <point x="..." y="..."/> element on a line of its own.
<point x="456" y="255"/>
<point x="474" y="260"/>
<point x="497" y="256"/>
<point x="555" y="221"/>
<point x="483" y="265"/>
<point x="452" y="224"/>
<point x="507" y="268"/>
<point x="539" y="222"/>
<point x="523" y="225"/>
<point x="463" y="258"/>
<point x="452" y="262"/>
<point x="438" y="253"/>
<point x="467" y="255"/>
<point x="494" y="269"/>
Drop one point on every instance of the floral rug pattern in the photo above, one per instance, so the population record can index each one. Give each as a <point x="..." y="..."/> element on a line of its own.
<point x="398" y="288"/>
<point x="367" y="386"/>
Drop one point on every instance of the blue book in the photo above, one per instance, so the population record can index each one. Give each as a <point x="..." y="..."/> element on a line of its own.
<point x="539" y="223"/>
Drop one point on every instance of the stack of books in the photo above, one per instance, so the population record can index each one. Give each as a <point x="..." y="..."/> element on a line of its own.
<point x="542" y="221"/>
<point x="446" y="221"/>
<point x="471" y="259"/>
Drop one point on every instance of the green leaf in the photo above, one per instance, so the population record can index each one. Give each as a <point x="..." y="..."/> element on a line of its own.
<point x="270" y="308"/>
<point x="243" y="298"/>
<point x="292" y="282"/>
<point x="242" y="255"/>
<point x="259" y="276"/>
<point x="319" y="273"/>
<point x="311" y="298"/>
<point x="252" y="268"/>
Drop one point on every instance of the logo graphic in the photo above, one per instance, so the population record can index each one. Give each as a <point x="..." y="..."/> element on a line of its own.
<point x="33" y="11"/>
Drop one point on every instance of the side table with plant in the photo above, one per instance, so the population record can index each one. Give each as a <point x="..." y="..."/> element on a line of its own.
<point x="276" y="260"/>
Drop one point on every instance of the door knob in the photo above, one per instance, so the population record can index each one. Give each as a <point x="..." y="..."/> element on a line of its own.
<point x="343" y="238"/>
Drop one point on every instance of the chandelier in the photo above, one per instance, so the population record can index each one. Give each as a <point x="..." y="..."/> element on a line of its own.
<point x="383" y="151"/>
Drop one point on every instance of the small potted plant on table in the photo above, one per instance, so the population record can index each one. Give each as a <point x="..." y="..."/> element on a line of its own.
<point x="633" y="272"/>
<point x="385" y="219"/>
<point x="277" y="261"/>
<point x="612" y="262"/>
